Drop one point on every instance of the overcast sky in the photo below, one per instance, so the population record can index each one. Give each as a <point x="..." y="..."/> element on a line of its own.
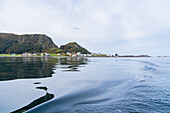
<point x="106" y="26"/>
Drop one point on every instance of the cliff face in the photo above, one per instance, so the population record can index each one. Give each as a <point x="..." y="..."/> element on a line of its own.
<point x="12" y="43"/>
<point x="73" y="47"/>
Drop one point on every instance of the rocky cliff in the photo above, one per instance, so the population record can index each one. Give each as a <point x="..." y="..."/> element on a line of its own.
<point x="73" y="47"/>
<point x="12" y="43"/>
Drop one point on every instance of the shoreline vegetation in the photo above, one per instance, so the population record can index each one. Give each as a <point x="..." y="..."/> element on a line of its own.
<point x="71" y="55"/>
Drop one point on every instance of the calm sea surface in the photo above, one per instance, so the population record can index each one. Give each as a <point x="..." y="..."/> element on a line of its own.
<point x="85" y="85"/>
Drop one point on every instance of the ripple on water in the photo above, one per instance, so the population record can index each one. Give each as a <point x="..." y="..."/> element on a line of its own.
<point x="117" y="85"/>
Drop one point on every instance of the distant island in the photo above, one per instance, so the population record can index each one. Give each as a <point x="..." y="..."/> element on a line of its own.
<point x="41" y="45"/>
<point x="35" y="43"/>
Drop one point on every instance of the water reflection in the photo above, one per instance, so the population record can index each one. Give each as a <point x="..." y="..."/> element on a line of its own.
<point x="34" y="67"/>
<point x="37" y="82"/>
<point x="24" y="68"/>
<point x="36" y="102"/>
<point x="72" y="63"/>
<point x="43" y="88"/>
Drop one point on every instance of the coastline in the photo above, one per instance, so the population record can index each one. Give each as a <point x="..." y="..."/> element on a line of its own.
<point x="79" y="56"/>
<point x="62" y="56"/>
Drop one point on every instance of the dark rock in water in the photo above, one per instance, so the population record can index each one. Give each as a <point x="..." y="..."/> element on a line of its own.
<point x="12" y="43"/>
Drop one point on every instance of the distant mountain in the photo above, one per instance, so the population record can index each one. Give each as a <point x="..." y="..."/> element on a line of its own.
<point x="12" y="43"/>
<point x="73" y="47"/>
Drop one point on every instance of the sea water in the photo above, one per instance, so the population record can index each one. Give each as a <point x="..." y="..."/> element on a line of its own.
<point x="84" y="85"/>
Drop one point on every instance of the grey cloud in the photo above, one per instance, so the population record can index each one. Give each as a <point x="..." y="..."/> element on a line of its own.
<point x="105" y="26"/>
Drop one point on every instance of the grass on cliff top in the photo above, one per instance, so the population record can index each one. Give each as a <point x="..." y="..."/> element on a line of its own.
<point x="57" y="55"/>
<point x="53" y="55"/>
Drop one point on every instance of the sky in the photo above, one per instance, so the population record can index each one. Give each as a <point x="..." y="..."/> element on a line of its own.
<point x="104" y="26"/>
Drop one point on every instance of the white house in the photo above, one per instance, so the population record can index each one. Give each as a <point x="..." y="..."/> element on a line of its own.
<point x="26" y="54"/>
<point x="79" y="53"/>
